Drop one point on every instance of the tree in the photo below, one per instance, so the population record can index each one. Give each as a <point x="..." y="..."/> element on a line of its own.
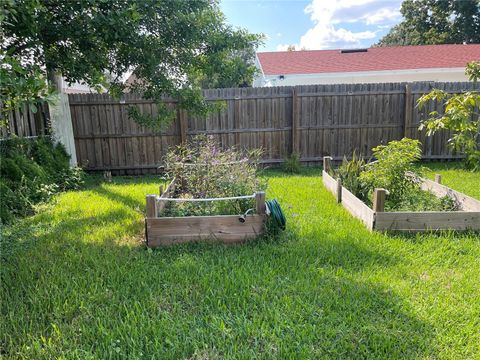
<point x="173" y="45"/>
<point x="460" y="116"/>
<point x="429" y="22"/>
<point x="22" y="83"/>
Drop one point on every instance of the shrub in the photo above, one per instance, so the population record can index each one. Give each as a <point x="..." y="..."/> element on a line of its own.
<point x="202" y="169"/>
<point x="292" y="164"/>
<point x="460" y="116"/>
<point x="388" y="171"/>
<point x="32" y="171"/>
<point x="349" y="172"/>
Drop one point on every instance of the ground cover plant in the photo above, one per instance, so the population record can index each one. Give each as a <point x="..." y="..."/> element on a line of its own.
<point x="395" y="170"/>
<point x="80" y="284"/>
<point x="31" y="171"/>
<point x="202" y="169"/>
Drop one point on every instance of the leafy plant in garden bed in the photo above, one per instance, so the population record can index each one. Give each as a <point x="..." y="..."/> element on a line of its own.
<point x="395" y="171"/>
<point x="202" y="169"/>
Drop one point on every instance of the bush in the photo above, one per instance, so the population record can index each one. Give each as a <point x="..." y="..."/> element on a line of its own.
<point x="203" y="170"/>
<point x="32" y="171"/>
<point x="349" y="172"/>
<point x="388" y="171"/>
<point x="460" y="116"/>
<point x="292" y="164"/>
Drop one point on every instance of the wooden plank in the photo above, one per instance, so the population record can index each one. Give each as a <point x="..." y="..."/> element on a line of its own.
<point x="295" y="122"/>
<point x="348" y="93"/>
<point x="427" y="221"/>
<point x="379" y="200"/>
<point x="151" y="211"/>
<point x="260" y="202"/>
<point x="466" y="202"/>
<point x="357" y="208"/>
<point x="329" y="182"/>
<point x="222" y="228"/>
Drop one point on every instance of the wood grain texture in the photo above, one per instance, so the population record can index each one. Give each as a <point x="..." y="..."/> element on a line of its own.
<point x="427" y="221"/>
<point x="315" y="120"/>
<point x="466" y="202"/>
<point x="357" y="208"/>
<point x="223" y="228"/>
<point x="329" y="182"/>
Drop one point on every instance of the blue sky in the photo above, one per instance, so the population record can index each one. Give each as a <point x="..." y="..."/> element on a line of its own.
<point x="314" y="24"/>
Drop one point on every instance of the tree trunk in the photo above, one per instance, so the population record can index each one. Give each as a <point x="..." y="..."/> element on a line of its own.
<point x="60" y="117"/>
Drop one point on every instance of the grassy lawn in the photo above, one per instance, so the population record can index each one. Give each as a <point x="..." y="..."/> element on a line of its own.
<point x="80" y="284"/>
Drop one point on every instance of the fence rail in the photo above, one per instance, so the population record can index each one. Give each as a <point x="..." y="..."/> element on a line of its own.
<point x="313" y="120"/>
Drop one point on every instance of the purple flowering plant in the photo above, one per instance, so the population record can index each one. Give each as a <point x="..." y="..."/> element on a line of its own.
<point x="204" y="169"/>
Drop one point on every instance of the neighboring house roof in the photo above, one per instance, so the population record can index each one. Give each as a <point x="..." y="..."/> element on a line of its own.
<point x="374" y="59"/>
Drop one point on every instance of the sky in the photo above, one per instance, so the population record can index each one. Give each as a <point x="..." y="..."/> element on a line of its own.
<point x="314" y="24"/>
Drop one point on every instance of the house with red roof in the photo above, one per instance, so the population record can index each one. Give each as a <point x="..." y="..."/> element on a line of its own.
<point x="372" y="65"/>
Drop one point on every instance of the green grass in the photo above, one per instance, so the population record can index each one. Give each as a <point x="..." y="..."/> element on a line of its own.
<point x="80" y="284"/>
<point x="455" y="176"/>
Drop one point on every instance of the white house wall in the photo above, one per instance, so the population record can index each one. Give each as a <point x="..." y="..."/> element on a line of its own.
<point x="445" y="74"/>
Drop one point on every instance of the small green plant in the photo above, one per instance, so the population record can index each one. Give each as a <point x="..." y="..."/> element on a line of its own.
<point x="349" y="172"/>
<point x="203" y="169"/>
<point x="460" y="116"/>
<point x="420" y="200"/>
<point x="31" y="171"/>
<point x="389" y="171"/>
<point x="292" y="164"/>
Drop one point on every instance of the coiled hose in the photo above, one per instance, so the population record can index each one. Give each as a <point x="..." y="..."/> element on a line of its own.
<point x="277" y="217"/>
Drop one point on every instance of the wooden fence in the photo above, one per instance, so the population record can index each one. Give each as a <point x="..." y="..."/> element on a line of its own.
<point x="314" y="121"/>
<point x="24" y="123"/>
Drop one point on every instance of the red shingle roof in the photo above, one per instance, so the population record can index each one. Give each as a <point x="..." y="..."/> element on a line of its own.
<point x="375" y="59"/>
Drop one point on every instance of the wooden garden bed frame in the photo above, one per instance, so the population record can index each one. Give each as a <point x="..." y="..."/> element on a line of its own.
<point x="160" y="231"/>
<point x="377" y="219"/>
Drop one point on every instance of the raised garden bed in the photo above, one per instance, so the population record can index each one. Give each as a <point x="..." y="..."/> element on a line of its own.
<point x="227" y="229"/>
<point x="468" y="218"/>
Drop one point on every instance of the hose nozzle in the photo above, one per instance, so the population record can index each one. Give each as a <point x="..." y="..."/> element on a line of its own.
<point x="243" y="218"/>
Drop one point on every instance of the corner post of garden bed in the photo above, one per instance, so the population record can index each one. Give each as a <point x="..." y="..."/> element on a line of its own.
<point x="327" y="163"/>
<point x="438" y="178"/>
<point x="339" y="191"/>
<point x="379" y="200"/>
<point x="152" y="206"/>
<point x="260" y="202"/>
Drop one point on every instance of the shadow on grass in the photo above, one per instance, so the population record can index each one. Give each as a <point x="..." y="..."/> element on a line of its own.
<point x="274" y="299"/>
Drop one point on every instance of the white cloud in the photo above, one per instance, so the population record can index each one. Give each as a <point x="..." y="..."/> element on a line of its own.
<point x="283" y="47"/>
<point x="328" y="15"/>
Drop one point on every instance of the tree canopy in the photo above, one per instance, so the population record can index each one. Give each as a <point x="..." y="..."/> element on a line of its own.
<point x="175" y="47"/>
<point x="428" y="22"/>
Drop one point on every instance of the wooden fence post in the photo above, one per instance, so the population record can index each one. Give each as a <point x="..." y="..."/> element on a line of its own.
<point x="236" y="117"/>
<point x="339" y="190"/>
<point x="182" y="119"/>
<point x="379" y="200"/>
<point x="407" y="120"/>
<point x="151" y="206"/>
<point x="295" y="120"/>
<point x="327" y="163"/>
<point x="260" y="202"/>
<point x="160" y="190"/>
<point x="438" y="178"/>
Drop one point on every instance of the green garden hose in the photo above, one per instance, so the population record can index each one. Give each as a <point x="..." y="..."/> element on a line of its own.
<point x="277" y="217"/>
